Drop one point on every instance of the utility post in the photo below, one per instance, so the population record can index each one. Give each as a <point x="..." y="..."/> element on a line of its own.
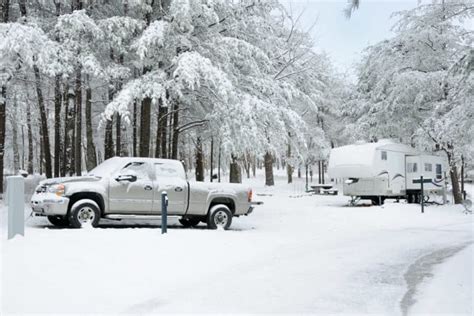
<point x="164" y="212"/>
<point x="422" y="201"/>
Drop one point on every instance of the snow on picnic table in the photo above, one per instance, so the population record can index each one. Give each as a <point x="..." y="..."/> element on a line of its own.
<point x="297" y="253"/>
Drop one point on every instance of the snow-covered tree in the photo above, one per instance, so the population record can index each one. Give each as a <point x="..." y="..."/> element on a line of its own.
<point x="408" y="88"/>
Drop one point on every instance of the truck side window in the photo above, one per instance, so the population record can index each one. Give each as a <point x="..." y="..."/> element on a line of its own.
<point x="384" y="155"/>
<point x="428" y="167"/>
<point x="412" y="167"/>
<point x="439" y="171"/>
<point x="136" y="168"/>
<point x="165" y="170"/>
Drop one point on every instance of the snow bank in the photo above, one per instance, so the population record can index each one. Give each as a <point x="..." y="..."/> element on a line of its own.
<point x="297" y="253"/>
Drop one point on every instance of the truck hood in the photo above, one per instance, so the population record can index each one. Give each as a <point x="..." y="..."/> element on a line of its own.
<point x="69" y="180"/>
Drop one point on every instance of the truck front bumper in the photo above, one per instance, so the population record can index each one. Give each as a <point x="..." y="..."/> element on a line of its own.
<point x="45" y="204"/>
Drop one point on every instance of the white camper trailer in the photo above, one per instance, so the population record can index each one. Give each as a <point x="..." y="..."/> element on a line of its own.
<point x="384" y="169"/>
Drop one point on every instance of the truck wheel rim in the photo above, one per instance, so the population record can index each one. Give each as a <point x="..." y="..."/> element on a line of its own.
<point x="85" y="215"/>
<point x="220" y="219"/>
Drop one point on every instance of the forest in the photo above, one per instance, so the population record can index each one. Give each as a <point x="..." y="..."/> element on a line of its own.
<point x="225" y="86"/>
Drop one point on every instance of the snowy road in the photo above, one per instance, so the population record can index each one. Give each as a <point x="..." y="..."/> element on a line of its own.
<point x="295" y="254"/>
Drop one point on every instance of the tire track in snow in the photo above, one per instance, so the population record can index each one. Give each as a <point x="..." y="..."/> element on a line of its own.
<point x="421" y="269"/>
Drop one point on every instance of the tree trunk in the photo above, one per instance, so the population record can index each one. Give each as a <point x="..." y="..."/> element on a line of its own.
<point x="44" y="123"/>
<point x="212" y="158"/>
<point x="3" y="101"/>
<point x="254" y="165"/>
<point x="22" y="6"/>
<point x="29" y="167"/>
<point x="161" y="140"/>
<point x="453" y="173"/>
<point x="463" y="192"/>
<point x="41" y="159"/>
<point x="57" y="125"/>
<point x="14" y="121"/>
<point x="78" y="140"/>
<point x="91" y="160"/>
<point x="175" y="139"/>
<point x="109" y="140"/>
<point x="118" y="134"/>
<point x="159" y="120"/>
<point x="235" y="174"/>
<point x="199" y="161"/>
<point x="145" y="128"/>
<point x="68" y="132"/>
<point x="268" y="161"/>
<point x="5" y="5"/>
<point x="289" y="168"/>
<point x="247" y="165"/>
<point x="457" y="195"/>
<point x="319" y="171"/>
<point x="134" y="129"/>
<point x="219" y="164"/>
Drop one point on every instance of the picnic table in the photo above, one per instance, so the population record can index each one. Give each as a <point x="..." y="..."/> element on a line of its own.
<point x="324" y="189"/>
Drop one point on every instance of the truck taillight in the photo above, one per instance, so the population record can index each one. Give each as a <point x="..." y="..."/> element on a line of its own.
<point x="249" y="195"/>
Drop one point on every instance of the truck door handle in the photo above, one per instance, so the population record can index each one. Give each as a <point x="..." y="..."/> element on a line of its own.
<point x="178" y="189"/>
<point x="148" y="187"/>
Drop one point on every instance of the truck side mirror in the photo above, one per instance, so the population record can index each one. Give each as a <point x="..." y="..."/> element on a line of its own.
<point x="130" y="178"/>
<point x="214" y="176"/>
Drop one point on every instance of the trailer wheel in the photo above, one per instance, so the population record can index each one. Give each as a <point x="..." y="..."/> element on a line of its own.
<point x="378" y="200"/>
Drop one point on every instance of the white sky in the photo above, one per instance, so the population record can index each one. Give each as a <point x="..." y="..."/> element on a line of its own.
<point x="343" y="39"/>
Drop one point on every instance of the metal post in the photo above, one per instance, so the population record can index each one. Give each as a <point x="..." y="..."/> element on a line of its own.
<point x="16" y="206"/>
<point x="164" y="212"/>
<point x="422" y="196"/>
<point x="445" y="184"/>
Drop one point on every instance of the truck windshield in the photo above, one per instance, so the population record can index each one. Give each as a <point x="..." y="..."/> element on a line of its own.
<point x="106" y="168"/>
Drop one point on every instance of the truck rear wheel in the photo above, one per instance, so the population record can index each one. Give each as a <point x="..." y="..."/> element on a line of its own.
<point x="84" y="213"/>
<point x="189" y="222"/>
<point x="219" y="217"/>
<point x="58" y="221"/>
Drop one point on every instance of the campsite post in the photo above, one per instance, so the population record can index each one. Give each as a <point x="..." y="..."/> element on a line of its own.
<point x="16" y="206"/>
<point x="422" y="196"/>
<point x="164" y="212"/>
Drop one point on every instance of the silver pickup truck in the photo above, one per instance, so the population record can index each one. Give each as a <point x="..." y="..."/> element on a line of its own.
<point x="130" y="188"/>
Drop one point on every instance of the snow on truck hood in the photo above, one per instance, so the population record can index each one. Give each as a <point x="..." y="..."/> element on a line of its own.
<point x="69" y="180"/>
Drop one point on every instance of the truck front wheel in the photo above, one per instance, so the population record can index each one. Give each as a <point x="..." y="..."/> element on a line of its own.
<point x="58" y="221"/>
<point x="84" y="213"/>
<point x="219" y="217"/>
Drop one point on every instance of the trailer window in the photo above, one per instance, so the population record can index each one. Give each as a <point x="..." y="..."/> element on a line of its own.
<point x="412" y="167"/>
<point x="428" y="167"/>
<point x="439" y="171"/>
<point x="384" y="155"/>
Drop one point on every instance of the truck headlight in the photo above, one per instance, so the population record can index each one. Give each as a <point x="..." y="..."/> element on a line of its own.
<point x="57" y="189"/>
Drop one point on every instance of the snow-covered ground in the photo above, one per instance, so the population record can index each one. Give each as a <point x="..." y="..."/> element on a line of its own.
<point x="297" y="253"/>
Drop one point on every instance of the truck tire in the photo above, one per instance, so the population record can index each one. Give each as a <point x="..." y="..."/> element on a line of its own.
<point x="58" y="221"/>
<point x="189" y="222"/>
<point x="84" y="213"/>
<point x="219" y="216"/>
